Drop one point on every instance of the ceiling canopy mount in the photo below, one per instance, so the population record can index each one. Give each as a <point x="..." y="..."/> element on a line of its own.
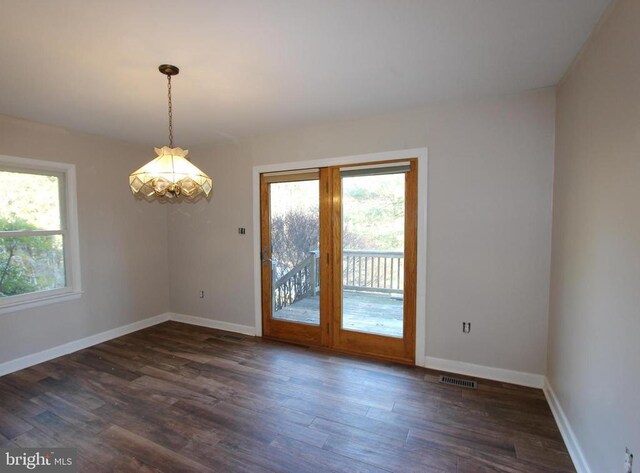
<point x="169" y="69"/>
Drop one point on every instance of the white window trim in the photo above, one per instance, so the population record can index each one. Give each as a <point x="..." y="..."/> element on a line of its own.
<point x="73" y="289"/>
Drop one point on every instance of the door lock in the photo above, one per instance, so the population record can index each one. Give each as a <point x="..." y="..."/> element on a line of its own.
<point x="265" y="258"/>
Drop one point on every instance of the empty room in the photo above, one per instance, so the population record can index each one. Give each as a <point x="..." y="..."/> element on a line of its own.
<point x="320" y="236"/>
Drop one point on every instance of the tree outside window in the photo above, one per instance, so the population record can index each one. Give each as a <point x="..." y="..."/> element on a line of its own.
<point x="31" y="233"/>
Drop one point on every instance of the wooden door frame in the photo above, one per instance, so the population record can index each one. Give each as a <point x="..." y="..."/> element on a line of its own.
<point x="370" y="344"/>
<point x="421" y="271"/>
<point x="304" y="334"/>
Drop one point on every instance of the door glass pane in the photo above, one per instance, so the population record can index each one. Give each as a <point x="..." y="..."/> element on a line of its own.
<point x="373" y="253"/>
<point x="294" y="226"/>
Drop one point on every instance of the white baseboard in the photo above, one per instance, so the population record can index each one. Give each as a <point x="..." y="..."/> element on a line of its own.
<point x="217" y="324"/>
<point x="51" y="353"/>
<point x="70" y="347"/>
<point x="496" y="374"/>
<point x="569" y="437"/>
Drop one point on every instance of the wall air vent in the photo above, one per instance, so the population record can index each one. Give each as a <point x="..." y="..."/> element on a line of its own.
<point x="463" y="383"/>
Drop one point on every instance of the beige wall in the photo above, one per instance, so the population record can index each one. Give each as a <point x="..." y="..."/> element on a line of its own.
<point x="594" y="349"/>
<point x="489" y="222"/>
<point x="490" y="178"/>
<point x="123" y="241"/>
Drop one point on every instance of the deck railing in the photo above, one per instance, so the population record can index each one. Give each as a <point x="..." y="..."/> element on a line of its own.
<point x="299" y="282"/>
<point x="373" y="271"/>
<point x="362" y="270"/>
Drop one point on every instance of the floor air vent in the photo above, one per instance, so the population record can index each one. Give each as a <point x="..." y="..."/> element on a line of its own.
<point x="235" y="338"/>
<point x="463" y="383"/>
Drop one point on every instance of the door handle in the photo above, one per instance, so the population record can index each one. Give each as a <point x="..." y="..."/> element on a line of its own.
<point x="265" y="259"/>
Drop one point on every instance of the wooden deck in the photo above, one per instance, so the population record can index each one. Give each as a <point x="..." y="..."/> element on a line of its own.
<point x="180" y="398"/>
<point x="362" y="312"/>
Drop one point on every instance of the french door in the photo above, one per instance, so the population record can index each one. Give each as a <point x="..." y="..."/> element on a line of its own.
<point x="338" y="251"/>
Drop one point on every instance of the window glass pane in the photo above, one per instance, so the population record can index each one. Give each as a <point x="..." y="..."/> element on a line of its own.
<point x="29" y="201"/>
<point x="31" y="264"/>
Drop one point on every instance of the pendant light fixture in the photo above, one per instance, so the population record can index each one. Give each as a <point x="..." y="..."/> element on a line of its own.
<point x="170" y="174"/>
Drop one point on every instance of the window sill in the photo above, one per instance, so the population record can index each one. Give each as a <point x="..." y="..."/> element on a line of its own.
<point x="10" y="307"/>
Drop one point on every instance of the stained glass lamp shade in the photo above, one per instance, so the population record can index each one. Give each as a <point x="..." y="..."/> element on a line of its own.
<point x="170" y="175"/>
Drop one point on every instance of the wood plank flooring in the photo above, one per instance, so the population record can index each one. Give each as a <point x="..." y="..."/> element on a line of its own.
<point x="176" y="398"/>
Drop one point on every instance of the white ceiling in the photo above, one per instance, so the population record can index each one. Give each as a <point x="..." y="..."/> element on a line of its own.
<point x="253" y="66"/>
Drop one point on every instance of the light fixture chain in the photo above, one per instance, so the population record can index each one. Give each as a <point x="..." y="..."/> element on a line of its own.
<point x="170" y="112"/>
<point x="168" y="175"/>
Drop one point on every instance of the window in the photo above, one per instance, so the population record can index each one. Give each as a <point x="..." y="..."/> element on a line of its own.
<point x="39" y="261"/>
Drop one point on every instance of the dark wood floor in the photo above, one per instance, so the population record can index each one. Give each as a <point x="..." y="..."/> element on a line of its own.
<point x="180" y="398"/>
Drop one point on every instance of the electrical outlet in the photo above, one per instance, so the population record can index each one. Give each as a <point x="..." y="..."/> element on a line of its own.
<point x="466" y="327"/>
<point x="628" y="461"/>
<point x="201" y="294"/>
<point x="242" y="231"/>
